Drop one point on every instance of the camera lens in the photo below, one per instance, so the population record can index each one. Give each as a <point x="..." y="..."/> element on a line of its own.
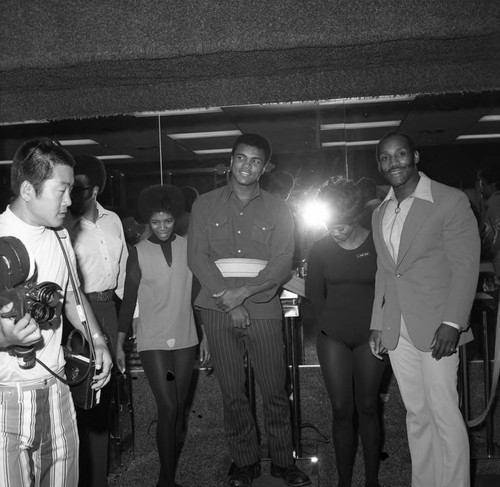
<point x="41" y="313"/>
<point x="46" y="293"/>
<point x="26" y="356"/>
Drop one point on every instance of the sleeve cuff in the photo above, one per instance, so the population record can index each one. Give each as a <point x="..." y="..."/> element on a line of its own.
<point x="454" y="325"/>
<point x="219" y="294"/>
<point x="136" y="311"/>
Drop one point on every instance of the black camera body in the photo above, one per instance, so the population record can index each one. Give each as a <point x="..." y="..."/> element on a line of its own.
<point x="39" y="300"/>
<point x="27" y="296"/>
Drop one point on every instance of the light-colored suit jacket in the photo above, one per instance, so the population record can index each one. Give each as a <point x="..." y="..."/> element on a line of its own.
<point x="435" y="277"/>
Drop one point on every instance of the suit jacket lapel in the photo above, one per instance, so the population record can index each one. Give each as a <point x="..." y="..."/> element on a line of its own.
<point x="419" y="212"/>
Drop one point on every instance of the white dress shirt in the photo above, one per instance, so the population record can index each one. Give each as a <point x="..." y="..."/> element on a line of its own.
<point x="101" y="252"/>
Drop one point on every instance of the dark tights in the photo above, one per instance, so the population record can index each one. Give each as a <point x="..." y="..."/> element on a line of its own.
<point x="352" y="378"/>
<point x="169" y="375"/>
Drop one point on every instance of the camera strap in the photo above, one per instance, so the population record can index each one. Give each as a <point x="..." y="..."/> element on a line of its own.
<point x="81" y="314"/>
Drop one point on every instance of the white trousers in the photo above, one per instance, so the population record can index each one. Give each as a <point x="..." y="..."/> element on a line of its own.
<point x="437" y="435"/>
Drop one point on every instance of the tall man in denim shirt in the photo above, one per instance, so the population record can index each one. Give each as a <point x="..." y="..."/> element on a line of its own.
<point x="243" y="313"/>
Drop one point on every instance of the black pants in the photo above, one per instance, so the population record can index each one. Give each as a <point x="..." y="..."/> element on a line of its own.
<point x="93" y="424"/>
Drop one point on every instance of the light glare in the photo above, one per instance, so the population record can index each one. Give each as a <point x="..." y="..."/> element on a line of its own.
<point x="315" y="213"/>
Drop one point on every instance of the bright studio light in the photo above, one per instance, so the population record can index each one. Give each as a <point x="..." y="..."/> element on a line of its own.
<point x="314" y="213"/>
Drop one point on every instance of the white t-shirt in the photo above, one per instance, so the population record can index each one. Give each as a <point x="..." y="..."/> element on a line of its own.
<point x="43" y="246"/>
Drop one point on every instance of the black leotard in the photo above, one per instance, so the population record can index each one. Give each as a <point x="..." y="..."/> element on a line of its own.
<point x="340" y="284"/>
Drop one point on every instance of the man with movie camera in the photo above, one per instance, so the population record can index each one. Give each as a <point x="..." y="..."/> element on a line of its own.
<point x="38" y="433"/>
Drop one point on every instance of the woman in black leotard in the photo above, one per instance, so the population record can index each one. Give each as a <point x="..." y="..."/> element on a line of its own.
<point x="340" y="285"/>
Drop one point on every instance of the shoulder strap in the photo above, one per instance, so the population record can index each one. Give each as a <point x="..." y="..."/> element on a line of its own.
<point x="81" y="313"/>
<point x="78" y="297"/>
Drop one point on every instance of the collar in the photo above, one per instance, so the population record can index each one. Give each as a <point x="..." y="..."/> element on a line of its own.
<point x="154" y="239"/>
<point x="165" y="245"/>
<point x="373" y="202"/>
<point x="71" y="221"/>
<point x="229" y="190"/>
<point x="422" y="191"/>
<point x="34" y="229"/>
<point x="101" y="212"/>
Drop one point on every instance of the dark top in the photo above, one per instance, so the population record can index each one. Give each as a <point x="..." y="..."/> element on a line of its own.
<point x="221" y="226"/>
<point x="340" y="284"/>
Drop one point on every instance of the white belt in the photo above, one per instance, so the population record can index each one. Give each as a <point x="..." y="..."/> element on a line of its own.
<point x="251" y="267"/>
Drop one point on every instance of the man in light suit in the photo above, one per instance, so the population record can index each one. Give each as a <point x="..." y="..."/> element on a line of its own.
<point x="428" y="248"/>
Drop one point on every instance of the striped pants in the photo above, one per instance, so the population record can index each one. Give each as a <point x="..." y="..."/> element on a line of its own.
<point x="263" y="340"/>
<point x="38" y="438"/>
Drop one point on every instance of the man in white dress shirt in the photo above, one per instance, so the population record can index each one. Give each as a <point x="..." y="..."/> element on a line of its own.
<point x="428" y="247"/>
<point x="101" y="251"/>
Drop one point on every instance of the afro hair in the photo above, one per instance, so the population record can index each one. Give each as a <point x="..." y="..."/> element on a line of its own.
<point x="160" y="198"/>
<point x="93" y="168"/>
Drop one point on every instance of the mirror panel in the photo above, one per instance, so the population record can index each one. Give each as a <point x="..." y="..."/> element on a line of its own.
<point x="456" y="135"/>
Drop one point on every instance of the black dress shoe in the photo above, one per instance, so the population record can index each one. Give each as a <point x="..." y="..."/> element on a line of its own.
<point x="243" y="476"/>
<point x="292" y="475"/>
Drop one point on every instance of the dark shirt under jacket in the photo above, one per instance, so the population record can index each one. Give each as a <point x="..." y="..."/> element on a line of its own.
<point x="221" y="227"/>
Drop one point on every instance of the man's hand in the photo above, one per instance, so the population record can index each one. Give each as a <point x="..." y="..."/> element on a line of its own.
<point x="120" y="355"/>
<point x="376" y="345"/>
<point x="24" y="332"/>
<point x="239" y="317"/>
<point x="204" y="351"/>
<point x="103" y="364"/>
<point x="231" y="299"/>
<point x="445" y="341"/>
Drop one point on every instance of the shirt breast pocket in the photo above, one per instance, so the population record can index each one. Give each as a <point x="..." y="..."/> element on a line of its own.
<point x="218" y="229"/>
<point x="262" y="231"/>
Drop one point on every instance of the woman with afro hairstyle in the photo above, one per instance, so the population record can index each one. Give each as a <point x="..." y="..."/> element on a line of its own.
<point x="159" y="278"/>
<point x="340" y="284"/>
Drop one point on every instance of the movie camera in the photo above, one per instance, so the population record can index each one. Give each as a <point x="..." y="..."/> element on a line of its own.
<point x="27" y="296"/>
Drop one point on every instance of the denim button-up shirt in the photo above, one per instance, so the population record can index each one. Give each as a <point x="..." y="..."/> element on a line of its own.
<point x="221" y="226"/>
